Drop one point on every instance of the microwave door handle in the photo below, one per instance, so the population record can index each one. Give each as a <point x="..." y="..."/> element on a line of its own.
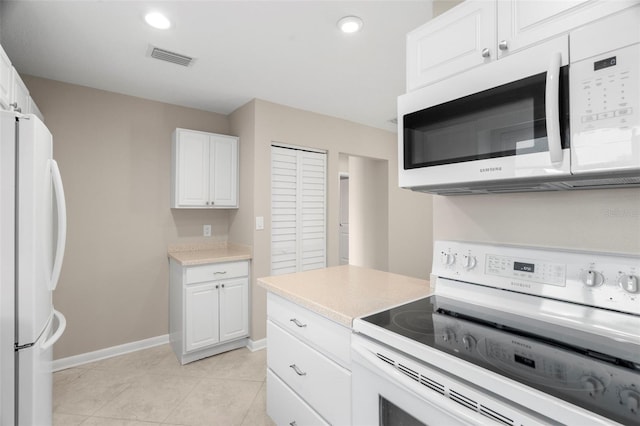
<point x="552" y="109"/>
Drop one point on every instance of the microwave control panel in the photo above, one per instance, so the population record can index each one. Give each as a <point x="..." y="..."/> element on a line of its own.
<point x="605" y="110"/>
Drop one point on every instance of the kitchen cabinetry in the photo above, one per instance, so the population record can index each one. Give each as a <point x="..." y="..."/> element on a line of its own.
<point x="208" y="308"/>
<point x="204" y="170"/>
<point x="14" y="94"/>
<point x="480" y="31"/>
<point x="5" y="80"/>
<point x="20" y="93"/>
<point x="308" y="374"/>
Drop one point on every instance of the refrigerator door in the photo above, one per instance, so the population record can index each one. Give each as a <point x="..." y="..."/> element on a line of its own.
<point x="35" y="381"/>
<point x="35" y="229"/>
<point x="7" y="265"/>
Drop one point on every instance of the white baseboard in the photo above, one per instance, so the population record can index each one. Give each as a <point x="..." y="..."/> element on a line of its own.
<point x="256" y="345"/>
<point x="76" y="360"/>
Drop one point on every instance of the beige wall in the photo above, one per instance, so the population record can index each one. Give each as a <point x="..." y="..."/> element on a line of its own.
<point x="114" y="155"/>
<point x="441" y="6"/>
<point x="368" y="213"/>
<point x="277" y="123"/>
<point x="604" y="220"/>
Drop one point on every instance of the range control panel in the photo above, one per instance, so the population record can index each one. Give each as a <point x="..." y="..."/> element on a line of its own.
<point x="605" y="280"/>
<point x="528" y="269"/>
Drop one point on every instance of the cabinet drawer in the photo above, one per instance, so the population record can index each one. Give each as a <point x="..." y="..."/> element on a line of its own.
<point x="216" y="271"/>
<point x="331" y="338"/>
<point x="325" y="385"/>
<point x="285" y="407"/>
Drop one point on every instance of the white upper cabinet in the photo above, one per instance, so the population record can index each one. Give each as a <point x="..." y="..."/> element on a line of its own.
<point x="20" y="98"/>
<point x="479" y="31"/>
<point x="204" y="170"/>
<point x="223" y="189"/>
<point x="6" y="83"/>
<point x="522" y="23"/>
<point x="453" y="42"/>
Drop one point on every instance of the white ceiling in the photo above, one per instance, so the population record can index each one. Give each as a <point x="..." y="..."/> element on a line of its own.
<point x="287" y="52"/>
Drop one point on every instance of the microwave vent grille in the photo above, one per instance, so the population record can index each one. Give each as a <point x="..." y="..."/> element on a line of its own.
<point x="602" y="183"/>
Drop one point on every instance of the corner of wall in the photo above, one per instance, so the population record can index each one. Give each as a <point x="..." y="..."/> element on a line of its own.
<point x="242" y="124"/>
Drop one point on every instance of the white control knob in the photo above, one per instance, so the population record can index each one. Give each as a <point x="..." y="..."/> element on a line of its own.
<point x="469" y="342"/>
<point x="628" y="283"/>
<point x="469" y="262"/>
<point x="592" y="278"/>
<point x="448" y="258"/>
<point x="592" y="385"/>
<point x="630" y="399"/>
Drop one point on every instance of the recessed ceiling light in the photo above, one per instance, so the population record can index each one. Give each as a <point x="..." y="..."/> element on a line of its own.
<point x="157" y="20"/>
<point x="350" y="24"/>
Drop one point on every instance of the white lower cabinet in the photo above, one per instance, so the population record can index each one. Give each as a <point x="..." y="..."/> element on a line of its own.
<point x="208" y="309"/>
<point x="286" y="407"/>
<point x="308" y="374"/>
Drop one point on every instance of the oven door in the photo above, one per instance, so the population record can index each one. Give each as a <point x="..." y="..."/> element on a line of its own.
<point x="391" y="389"/>
<point x="501" y="121"/>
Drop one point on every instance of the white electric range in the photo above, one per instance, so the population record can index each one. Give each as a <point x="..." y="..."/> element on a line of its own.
<point x="512" y="335"/>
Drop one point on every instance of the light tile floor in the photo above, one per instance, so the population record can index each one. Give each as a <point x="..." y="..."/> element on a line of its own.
<point x="150" y="387"/>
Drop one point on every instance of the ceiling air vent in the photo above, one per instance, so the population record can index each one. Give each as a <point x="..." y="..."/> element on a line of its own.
<point x="175" y="58"/>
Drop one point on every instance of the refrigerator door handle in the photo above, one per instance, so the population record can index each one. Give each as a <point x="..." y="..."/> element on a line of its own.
<point x="62" y="325"/>
<point x="62" y="224"/>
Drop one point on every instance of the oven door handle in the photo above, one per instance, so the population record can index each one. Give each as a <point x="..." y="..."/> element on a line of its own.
<point x="552" y="109"/>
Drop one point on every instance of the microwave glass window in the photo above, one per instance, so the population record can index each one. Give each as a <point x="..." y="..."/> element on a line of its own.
<point x="392" y="415"/>
<point x="504" y="121"/>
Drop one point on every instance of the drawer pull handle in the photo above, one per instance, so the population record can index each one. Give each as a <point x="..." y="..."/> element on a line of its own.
<point x="297" y="370"/>
<point x="298" y="323"/>
<point x="220" y="273"/>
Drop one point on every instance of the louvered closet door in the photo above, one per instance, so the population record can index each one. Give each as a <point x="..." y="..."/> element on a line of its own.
<point x="298" y="210"/>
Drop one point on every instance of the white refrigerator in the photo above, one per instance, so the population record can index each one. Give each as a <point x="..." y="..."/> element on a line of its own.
<point x="32" y="242"/>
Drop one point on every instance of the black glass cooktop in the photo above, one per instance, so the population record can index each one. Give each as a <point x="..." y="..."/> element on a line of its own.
<point x="552" y="359"/>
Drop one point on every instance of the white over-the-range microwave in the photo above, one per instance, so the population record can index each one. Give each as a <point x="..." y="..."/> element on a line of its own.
<point x="564" y="114"/>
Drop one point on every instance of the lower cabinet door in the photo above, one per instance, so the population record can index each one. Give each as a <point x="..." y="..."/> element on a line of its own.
<point x="201" y="316"/>
<point x="234" y="309"/>
<point x="285" y="407"/>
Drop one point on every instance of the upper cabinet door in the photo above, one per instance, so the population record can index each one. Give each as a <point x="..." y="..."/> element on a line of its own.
<point x="192" y="150"/>
<point x="461" y="38"/>
<point x="224" y="171"/>
<point x="522" y="23"/>
<point x="20" y="93"/>
<point x="204" y="170"/>
<point x="5" y="80"/>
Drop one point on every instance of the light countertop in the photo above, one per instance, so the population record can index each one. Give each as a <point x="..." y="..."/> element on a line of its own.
<point x="189" y="255"/>
<point x="343" y="293"/>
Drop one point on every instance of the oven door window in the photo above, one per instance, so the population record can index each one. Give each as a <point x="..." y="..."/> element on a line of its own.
<point x="392" y="415"/>
<point x="504" y="121"/>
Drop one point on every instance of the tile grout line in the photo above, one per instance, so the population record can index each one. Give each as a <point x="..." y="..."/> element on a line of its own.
<point x="200" y="380"/>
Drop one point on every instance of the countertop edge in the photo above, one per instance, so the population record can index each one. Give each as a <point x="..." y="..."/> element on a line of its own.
<point x="229" y="253"/>
<point x="337" y="317"/>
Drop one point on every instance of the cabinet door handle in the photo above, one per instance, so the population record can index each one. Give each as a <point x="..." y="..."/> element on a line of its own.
<point x="486" y="52"/>
<point x="217" y="286"/>
<point x="297" y="370"/>
<point x="298" y="323"/>
<point x="222" y="285"/>
<point x="503" y="45"/>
